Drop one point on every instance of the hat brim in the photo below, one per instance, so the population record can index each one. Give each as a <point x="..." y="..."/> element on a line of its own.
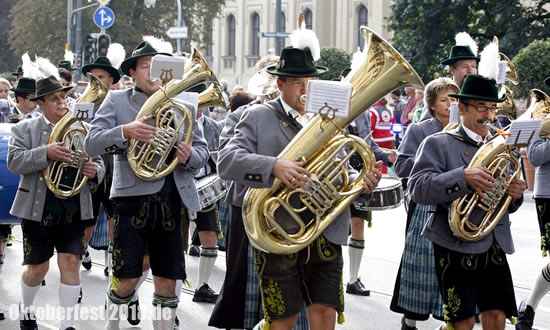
<point x="478" y="97"/>
<point x="65" y="89"/>
<point x="17" y="74"/>
<point x="450" y="61"/>
<point x="319" y="70"/>
<point x="23" y="90"/>
<point x="129" y="62"/>
<point x="112" y="71"/>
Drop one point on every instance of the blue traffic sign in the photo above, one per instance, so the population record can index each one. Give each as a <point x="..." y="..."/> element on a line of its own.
<point x="104" y="17"/>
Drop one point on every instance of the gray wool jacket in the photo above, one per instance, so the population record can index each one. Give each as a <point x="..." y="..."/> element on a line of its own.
<point x="538" y="153"/>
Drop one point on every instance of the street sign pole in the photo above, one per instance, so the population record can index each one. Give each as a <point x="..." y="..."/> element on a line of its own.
<point x="278" y="40"/>
<point x="78" y="40"/>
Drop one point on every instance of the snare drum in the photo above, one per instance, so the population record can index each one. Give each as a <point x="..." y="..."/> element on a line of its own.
<point x="387" y="195"/>
<point x="210" y="189"/>
<point x="8" y="180"/>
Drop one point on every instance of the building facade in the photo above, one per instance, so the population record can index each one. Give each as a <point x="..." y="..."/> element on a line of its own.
<point x="236" y="35"/>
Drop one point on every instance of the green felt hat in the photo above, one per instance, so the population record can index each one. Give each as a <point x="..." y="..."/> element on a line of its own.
<point x="102" y="62"/>
<point x="47" y="86"/>
<point x="25" y="86"/>
<point x="66" y="65"/>
<point x="477" y="87"/>
<point x="143" y="49"/>
<point x="18" y="71"/>
<point x="295" y="62"/>
<point x="459" y="53"/>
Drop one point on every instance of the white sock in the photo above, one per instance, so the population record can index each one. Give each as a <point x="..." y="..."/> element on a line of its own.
<point x="542" y="286"/>
<point x="410" y="323"/>
<point x="206" y="263"/>
<point x="68" y="298"/>
<point x="355" y="249"/>
<point x="179" y="285"/>
<point x="28" y="293"/>
<point x="140" y="282"/>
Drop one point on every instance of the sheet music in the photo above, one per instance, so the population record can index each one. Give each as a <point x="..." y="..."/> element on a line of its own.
<point x="83" y="111"/>
<point x="453" y="113"/>
<point x="501" y="75"/>
<point x="523" y="131"/>
<point x="164" y="67"/>
<point x="335" y="94"/>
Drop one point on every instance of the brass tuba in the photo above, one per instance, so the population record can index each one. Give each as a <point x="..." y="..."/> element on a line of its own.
<point x="149" y="161"/>
<point x="73" y="136"/>
<point x="472" y="217"/>
<point x="539" y="108"/>
<point x="508" y="107"/>
<point x="309" y="210"/>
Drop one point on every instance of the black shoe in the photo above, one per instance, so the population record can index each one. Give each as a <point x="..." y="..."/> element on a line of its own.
<point x="1" y="259"/>
<point x="80" y="296"/>
<point x="176" y="323"/>
<point x="69" y="328"/>
<point x="205" y="294"/>
<point x="2" y="316"/>
<point x="106" y="271"/>
<point x="526" y="316"/>
<point x="134" y="313"/>
<point x="87" y="262"/>
<point x="357" y="288"/>
<point x="8" y="243"/>
<point x="28" y="322"/>
<point x="194" y="251"/>
<point x="404" y="326"/>
<point x="43" y="282"/>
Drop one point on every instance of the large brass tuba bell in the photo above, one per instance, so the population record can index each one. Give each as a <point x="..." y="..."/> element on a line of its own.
<point x="66" y="179"/>
<point x="539" y="108"/>
<point x="149" y="161"/>
<point x="308" y="211"/>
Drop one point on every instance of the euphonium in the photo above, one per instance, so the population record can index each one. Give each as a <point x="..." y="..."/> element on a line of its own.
<point x="472" y="217"/>
<point x="73" y="138"/>
<point x="539" y="108"/>
<point x="309" y="210"/>
<point x="149" y="161"/>
<point x="508" y="107"/>
<point x="211" y="97"/>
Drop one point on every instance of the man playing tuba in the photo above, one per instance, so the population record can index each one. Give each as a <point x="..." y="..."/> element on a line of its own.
<point x="250" y="160"/>
<point x="47" y="221"/>
<point x="147" y="213"/>
<point x="469" y="273"/>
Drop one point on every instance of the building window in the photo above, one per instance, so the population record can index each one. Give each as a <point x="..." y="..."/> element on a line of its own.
<point x="363" y="19"/>
<point x="255" y="34"/>
<point x="231" y="35"/>
<point x="308" y="16"/>
<point x="210" y="28"/>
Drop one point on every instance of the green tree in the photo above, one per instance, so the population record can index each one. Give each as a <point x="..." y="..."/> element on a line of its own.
<point x="39" y="26"/>
<point x="336" y="60"/>
<point x="8" y="60"/>
<point x="424" y="30"/>
<point x="532" y="65"/>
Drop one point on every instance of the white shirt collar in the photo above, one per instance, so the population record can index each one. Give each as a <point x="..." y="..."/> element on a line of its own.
<point x="295" y="114"/>
<point x="49" y="123"/>
<point x="474" y="136"/>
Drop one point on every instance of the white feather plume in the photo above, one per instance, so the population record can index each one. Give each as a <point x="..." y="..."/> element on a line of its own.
<point x="464" y="39"/>
<point x="69" y="56"/>
<point x="39" y="69"/>
<point x="303" y="38"/>
<point x="159" y="44"/>
<point x="116" y="54"/>
<point x="488" y="63"/>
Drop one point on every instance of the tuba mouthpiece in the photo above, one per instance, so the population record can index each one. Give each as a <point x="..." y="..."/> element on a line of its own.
<point x="303" y="98"/>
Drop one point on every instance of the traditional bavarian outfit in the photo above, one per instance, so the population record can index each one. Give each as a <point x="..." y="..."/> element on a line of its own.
<point x="469" y="274"/>
<point x="47" y="221"/>
<point x="147" y="213"/>
<point x="538" y="153"/>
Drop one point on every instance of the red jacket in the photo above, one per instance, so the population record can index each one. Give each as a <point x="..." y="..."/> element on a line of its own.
<point x="382" y="120"/>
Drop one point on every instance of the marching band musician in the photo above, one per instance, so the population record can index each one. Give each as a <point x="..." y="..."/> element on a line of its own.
<point x="108" y="74"/>
<point x="416" y="294"/>
<point x="48" y="222"/>
<point x="147" y="213"/>
<point x="24" y="93"/>
<point x="473" y="273"/>
<point x="207" y="219"/>
<point x="250" y="160"/>
<point x="538" y="153"/>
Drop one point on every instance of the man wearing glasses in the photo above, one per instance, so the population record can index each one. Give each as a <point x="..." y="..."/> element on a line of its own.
<point x="24" y="93"/>
<point x="475" y="273"/>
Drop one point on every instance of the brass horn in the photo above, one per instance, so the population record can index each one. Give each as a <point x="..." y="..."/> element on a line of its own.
<point x="211" y="97"/>
<point x="173" y="121"/>
<point x="303" y="214"/>
<point x="65" y="179"/>
<point x="539" y="108"/>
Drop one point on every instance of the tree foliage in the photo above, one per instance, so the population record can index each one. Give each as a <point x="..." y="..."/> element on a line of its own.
<point x="424" y="30"/>
<point x="39" y="26"/>
<point x="336" y="60"/>
<point x="532" y="65"/>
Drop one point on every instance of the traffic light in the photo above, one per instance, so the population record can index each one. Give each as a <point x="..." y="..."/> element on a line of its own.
<point x="90" y="48"/>
<point x="103" y="42"/>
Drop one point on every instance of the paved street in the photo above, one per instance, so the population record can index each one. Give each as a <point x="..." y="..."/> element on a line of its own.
<point x="384" y="244"/>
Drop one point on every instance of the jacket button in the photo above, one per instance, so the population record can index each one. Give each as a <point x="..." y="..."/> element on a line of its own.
<point x="39" y="190"/>
<point x="34" y="214"/>
<point x="189" y="186"/>
<point x="41" y="179"/>
<point x="36" y="202"/>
